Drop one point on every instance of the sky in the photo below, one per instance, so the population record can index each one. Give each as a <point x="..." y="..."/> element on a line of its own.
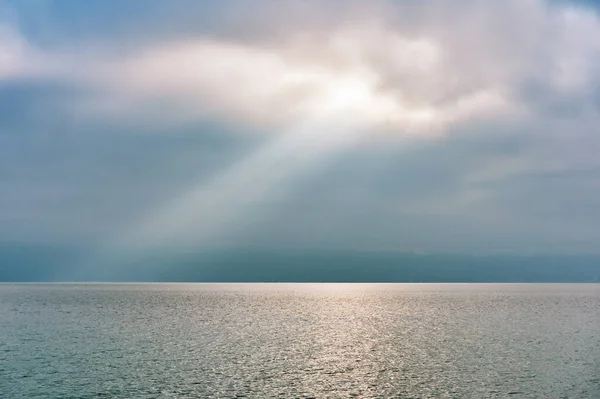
<point x="462" y="126"/>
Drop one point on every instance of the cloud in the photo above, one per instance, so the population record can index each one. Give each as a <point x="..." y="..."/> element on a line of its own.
<point x="314" y="77"/>
<point x="413" y="69"/>
<point x="22" y="61"/>
<point x="509" y="91"/>
<point x="277" y="86"/>
<point x="396" y="67"/>
<point x="14" y="55"/>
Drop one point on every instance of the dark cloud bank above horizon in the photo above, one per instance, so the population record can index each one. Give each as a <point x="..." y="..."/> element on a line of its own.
<point x="54" y="264"/>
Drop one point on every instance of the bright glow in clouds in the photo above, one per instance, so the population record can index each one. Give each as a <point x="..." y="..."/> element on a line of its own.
<point x="275" y="86"/>
<point x="329" y="110"/>
<point x="400" y="68"/>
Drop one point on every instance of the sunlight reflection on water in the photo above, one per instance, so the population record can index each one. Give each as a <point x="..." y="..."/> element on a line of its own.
<point x="300" y="340"/>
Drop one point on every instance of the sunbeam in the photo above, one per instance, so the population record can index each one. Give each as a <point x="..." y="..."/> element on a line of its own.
<point x="346" y="108"/>
<point x="209" y="211"/>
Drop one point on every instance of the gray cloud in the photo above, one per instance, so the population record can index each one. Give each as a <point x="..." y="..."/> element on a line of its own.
<point x="500" y="100"/>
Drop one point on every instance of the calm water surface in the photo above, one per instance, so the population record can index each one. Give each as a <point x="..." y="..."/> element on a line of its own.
<point x="300" y="340"/>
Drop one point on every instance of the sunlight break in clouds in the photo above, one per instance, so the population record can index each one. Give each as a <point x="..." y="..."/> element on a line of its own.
<point x="444" y="70"/>
<point x="368" y="72"/>
<point x="419" y="69"/>
<point x="274" y="87"/>
<point x="327" y="109"/>
<point x="400" y="70"/>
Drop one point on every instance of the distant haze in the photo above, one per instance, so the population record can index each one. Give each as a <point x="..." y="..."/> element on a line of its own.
<point x="51" y="264"/>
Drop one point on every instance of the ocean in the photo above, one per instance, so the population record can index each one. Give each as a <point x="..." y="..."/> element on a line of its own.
<point x="300" y="340"/>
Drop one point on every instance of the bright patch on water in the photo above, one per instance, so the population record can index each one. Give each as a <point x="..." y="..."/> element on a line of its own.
<point x="300" y="340"/>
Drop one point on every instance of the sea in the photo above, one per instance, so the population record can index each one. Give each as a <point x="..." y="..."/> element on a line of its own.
<point x="300" y="341"/>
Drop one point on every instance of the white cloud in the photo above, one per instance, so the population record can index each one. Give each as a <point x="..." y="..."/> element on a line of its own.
<point x="20" y="60"/>
<point x="453" y="65"/>
<point x="397" y="67"/>
<point x="271" y="86"/>
<point x="13" y="54"/>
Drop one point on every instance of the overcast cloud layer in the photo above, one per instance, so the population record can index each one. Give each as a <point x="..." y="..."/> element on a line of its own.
<point x="479" y="123"/>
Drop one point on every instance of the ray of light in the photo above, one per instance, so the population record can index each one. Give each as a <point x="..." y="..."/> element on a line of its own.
<point x="209" y="211"/>
<point x="206" y="210"/>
